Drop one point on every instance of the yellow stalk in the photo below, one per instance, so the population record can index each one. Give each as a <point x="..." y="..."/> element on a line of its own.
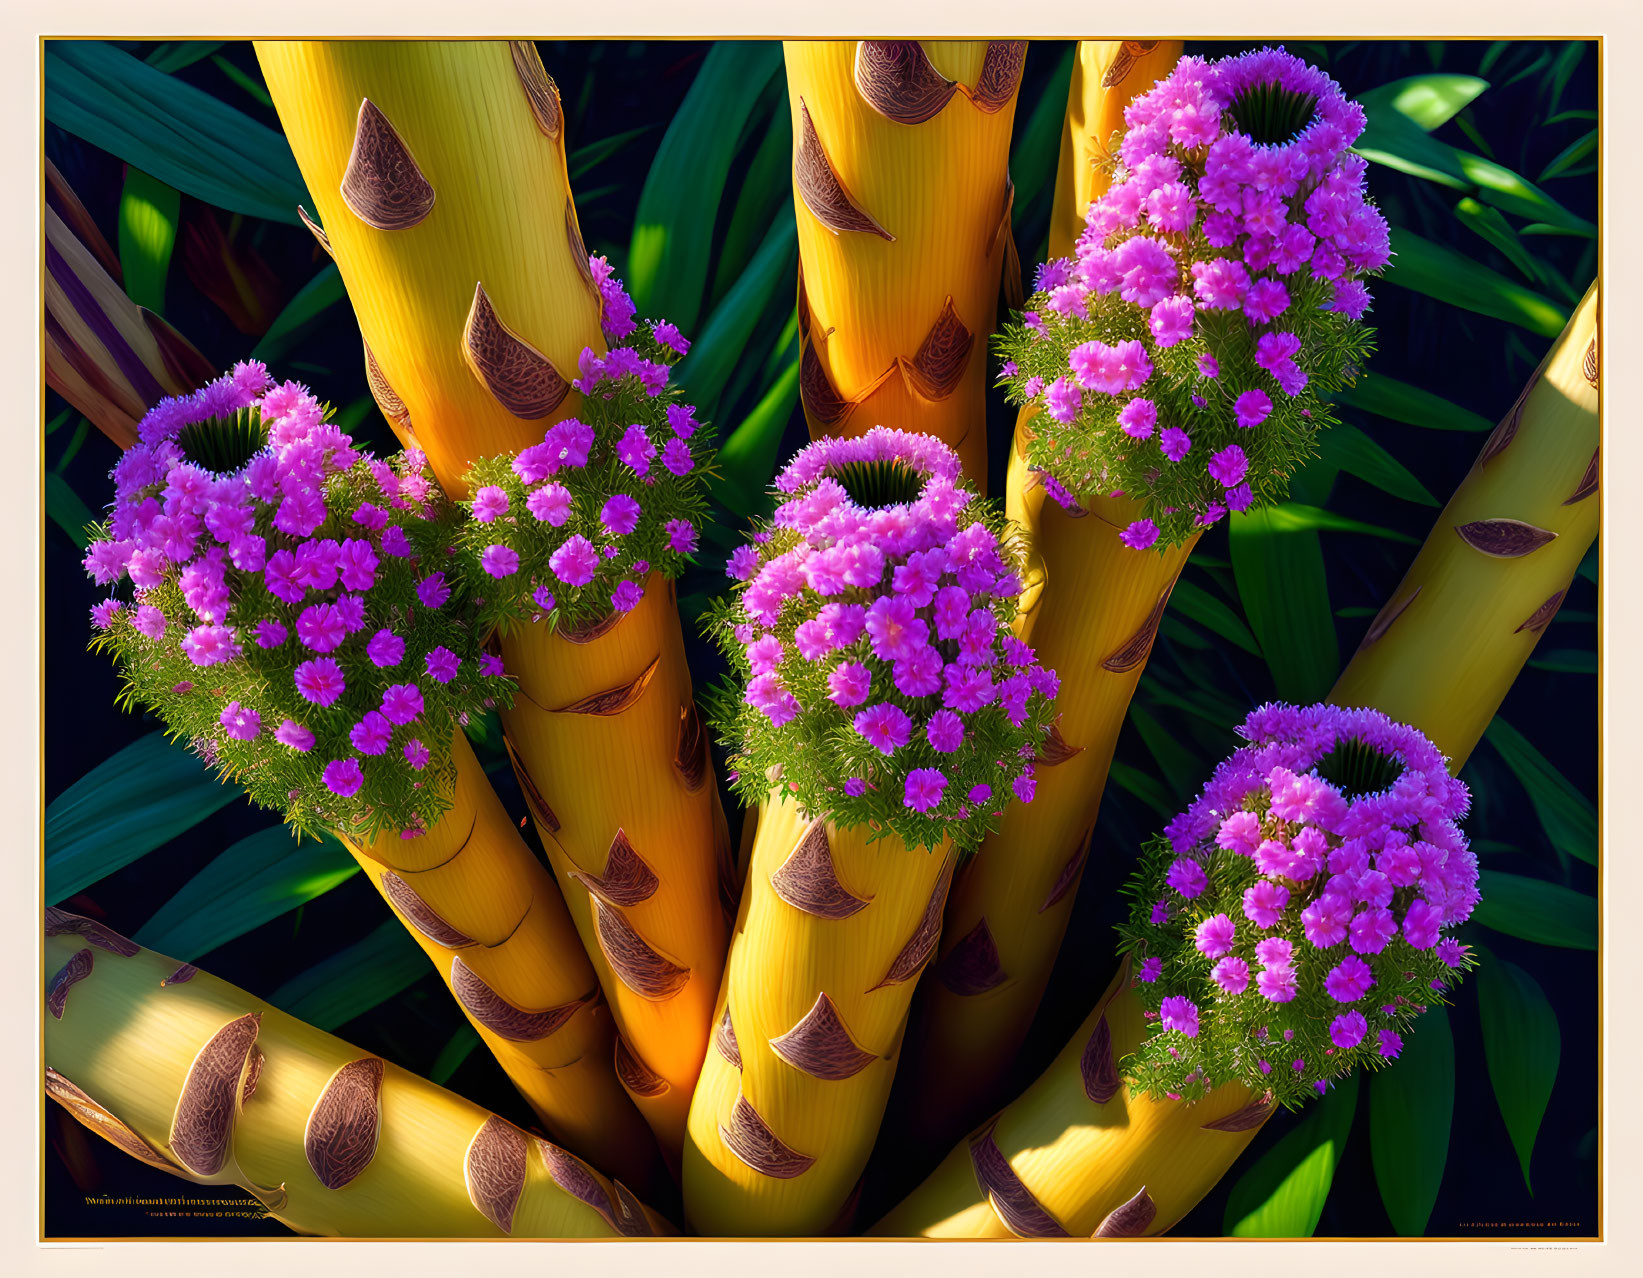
<point x="490" y="919"/>
<point x="473" y="194"/>
<point x="831" y="937"/>
<point x="1079" y="1152"/>
<point x="1454" y="634"/>
<point x="1106" y="75"/>
<point x="200" y="1079"/>
<point x="902" y="193"/>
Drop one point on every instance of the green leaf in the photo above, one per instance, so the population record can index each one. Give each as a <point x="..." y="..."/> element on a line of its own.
<point x="1357" y="454"/>
<point x="179" y="134"/>
<point x="1282" y="1195"/>
<point x="1144" y="786"/>
<point x="148" y="232"/>
<point x="350" y="983"/>
<point x="673" y="226"/>
<point x="257" y="91"/>
<point x="134" y="801"/>
<point x="1536" y="910"/>
<point x="1176" y="764"/>
<point x="1571" y="155"/>
<point x="1522" y="1045"/>
<point x="313" y="299"/>
<point x="1398" y="143"/>
<point x="1400" y="402"/>
<point x="1566" y="661"/>
<point x="174" y="56"/>
<point x="66" y="509"/>
<point x="1426" y="101"/>
<point x="452" y="1055"/>
<point x="763" y="204"/>
<point x="1208" y="611"/>
<point x="1033" y="159"/>
<point x="747" y="460"/>
<point x="257" y="879"/>
<point x="1492" y="225"/>
<point x="1293" y="516"/>
<point x="1411" y="1107"/>
<point x="1568" y="816"/>
<point x="714" y="355"/>
<point x="1513" y="193"/>
<point x="594" y="153"/>
<point x="1458" y="280"/>
<point x="1279" y="568"/>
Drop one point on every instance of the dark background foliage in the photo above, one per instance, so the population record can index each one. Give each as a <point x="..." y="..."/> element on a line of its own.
<point x="313" y="938"/>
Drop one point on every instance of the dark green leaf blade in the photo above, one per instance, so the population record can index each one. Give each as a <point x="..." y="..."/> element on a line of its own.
<point x="1279" y="568"/>
<point x="1568" y="816"/>
<point x="1400" y="402"/>
<point x="66" y="509"/>
<point x="149" y="211"/>
<point x="1411" y="1107"/>
<point x="451" y="1056"/>
<point x="747" y="461"/>
<point x="702" y="373"/>
<point x="1536" y="910"/>
<point x="1198" y="604"/>
<point x="313" y="299"/>
<point x="1457" y="280"/>
<point x="1282" y="1195"/>
<point x="1522" y="1045"/>
<point x="1357" y="454"/>
<point x="353" y="981"/>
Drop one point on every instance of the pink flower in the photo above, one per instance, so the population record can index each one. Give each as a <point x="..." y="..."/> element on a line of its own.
<point x="1265" y="301"/>
<point x="1215" y="935"/>
<point x="1264" y="902"/>
<point x="343" y="777"/>
<point x="1372" y="929"/>
<point x="489" y="503"/>
<point x="1063" y="400"/>
<point x="499" y="561"/>
<point x="1180" y="1014"/>
<point x="295" y="736"/>
<point x="885" y="727"/>
<point x="1252" y="408"/>
<point x="1171" y="320"/>
<point x="1231" y="974"/>
<point x="320" y="681"/>
<point x="1349" y="980"/>
<point x="635" y="449"/>
<point x="371" y="734"/>
<point x="1175" y="443"/>
<point x="416" y="754"/>
<point x="210" y="645"/>
<point x="621" y="514"/>
<point x="894" y="629"/>
<point x="401" y="703"/>
<point x="550" y="504"/>
<point x="240" y="722"/>
<point x="849" y="684"/>
<point x="385" y="649"/>
<point x="1138" y="417"/>
<point x="1276" y="983"/>
<point x="923" y="788"/>
<point x="575" y="562"/>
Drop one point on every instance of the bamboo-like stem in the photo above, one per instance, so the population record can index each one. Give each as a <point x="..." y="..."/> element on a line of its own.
<point x="474" y="195"/>
<point x="1079" y="1153"/>
<point x="832" y="935"/>
<point x="491" y="920"/>
<point x="1445" y="649"/>
<point x="200" y="1079"/>
<point x="902" y="194"/>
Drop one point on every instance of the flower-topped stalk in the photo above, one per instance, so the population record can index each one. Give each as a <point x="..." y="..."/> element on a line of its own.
<point x="1182" y="356"/>
<point x="293" y="614"/>
<point x="571" y="528"/>
<point x="871" y="631"/>
<point x="1292" y="922"/>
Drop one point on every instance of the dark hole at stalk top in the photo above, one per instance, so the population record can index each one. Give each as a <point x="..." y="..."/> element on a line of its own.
<point x="1271" y="114"/>
<point x="1357" y="769"/>
<point x="224" y="444"/>
<point x="875" y="484"/>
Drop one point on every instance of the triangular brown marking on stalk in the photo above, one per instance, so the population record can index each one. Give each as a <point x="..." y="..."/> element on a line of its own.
<point x="1542" y="616"/>
<point x="211" y="1096"/>
<point x="804" y="306"/>
<point x="820" y="188"/>
<point x="926" y="932"/>
<point x="1133" y="651"/>
<point x="533" y="796"/>
<point x="1097" y="1067"/>
<point x="808" y="880"/>
<point x="626" y="880"/>
<point x="387" y="398"/>
<point x="1504" y="538"/>
<point x="251" y="1076"/>
<point x="1500" y="439"/>
<point x="94" y="1116"/>
<point x="937" y="367"/>
<point x="588" y="631"/>
<point x="70" y="974"/>
<point x="501" y="1017"/>
<point x="1390" y="612"/>
<point x="1067" y="877"/>
<point x="821" y="400"/>
<point x="1021" y="1213"/>
<point x="185" y="972"/>
<point x="341" y="1135"/>
<point x="748" y="1137"/>
<point x="519" y="377"/>
<point x="724" y="1039"/>
<point x="1000" y="75"/>
<point x="897" y="79"/>
<point x="382" y="184"/>
<point x="1054" y="749"/>
<point x="614" y="701"/>
<point x="422" y="916"/>
<point x="1250" y="1116"/>
<point x="690" y="748"/>
<point x="183" y="363"/>
<point x="631" y="1221"/>
<point x="540" y="90"/>
<point x="61" y="922"/>
<point x="1131" y="1219"/>
<point x="1128" y="52"/>
<point x="972" y="966"/>
<point x="576" y="1178"/>
<point x="638" y="965"/>
<point x="634" y="1074"/>
<point x="578" y="246"/>
<point x="1588" y="483"/>
<point x="318" y="231"/>
<point x="821" y="1044"/>
<point x="494" y="1171"/>
<point x="1588" y="366"/>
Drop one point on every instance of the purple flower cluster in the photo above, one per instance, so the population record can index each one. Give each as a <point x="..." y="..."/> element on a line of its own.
<point x="872" y="626"/>
<point x="1305" y="896"/>
<point x="308" y="578"/>
<point x="573" y="527"/>
<point x="1216" y="287"/>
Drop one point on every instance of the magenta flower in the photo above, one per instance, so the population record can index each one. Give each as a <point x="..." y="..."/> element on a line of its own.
<point x="550" y="504"/>
<point x="292" y="734"/>
<point x="1180" y="1014"/>
<point x="1371" y="929"/>
<point x="385" y="649"/>
<point x="1175" y="443"/>
<point x="1188" y="878"/>
<point x="241" y="723"/>
<point x="489" y="503"/>
<point x="416" y="754"/>
<point x="1140" y="534"/>
<point x="885" y="727"/>
<point x="432" y="590"/>
<point x="894" y="629"/>
<point x="320" y="681"/>
<point x="442" y="664"/>
<point x="1252" y="408"/>
<point x="1063" y="400"/>
<point x="635" y="450"/>
<point x="343" y="777"/>
<point x="1231" y="974"/>
<point x="626" y="596"/>
<point x="1276" y="984"/>
<point x="1214" y="936"/>
<point x="923" y="789"/>
<point x="575" y="562"/>
<point x="499" y="560"/>
<point x="1264" y="903"/>
<point x="209" y="645"/>
<point x="371" y="734"/>
<point x="621" y="514"/>
<point x="1391" y="1044"/>
<point x="1228" y="466"/>
<point x="1349" y="980"/>
<point x="849" y="684"/>
<point x="1151" y="969"/>
<point x="945" y="731"/>
<point x="401" y="703"/>
<point x="1138" y="417"/>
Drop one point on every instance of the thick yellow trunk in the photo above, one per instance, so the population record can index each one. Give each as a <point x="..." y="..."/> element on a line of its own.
<point x="200" y="1079"/>
<point x="831" y="938"/>
<point x="1079" y="1154"/>
<point x="477" y="197"/>
<point x="902" y="193"/>
<point x="1445" y="649"/>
